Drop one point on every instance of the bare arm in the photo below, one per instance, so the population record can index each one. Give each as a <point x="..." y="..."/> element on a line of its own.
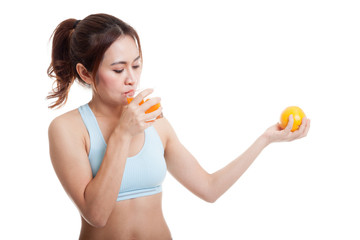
<point x="210" y="187"/>
<point x="95" y="197"/>
<point x="101" y="193"/>
<point x="224" y="178"/>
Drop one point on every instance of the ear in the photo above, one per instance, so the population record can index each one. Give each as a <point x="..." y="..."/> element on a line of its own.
<point x="84" y="74"/>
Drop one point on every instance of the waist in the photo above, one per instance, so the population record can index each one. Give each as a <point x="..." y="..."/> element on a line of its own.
<point x="132" y="219"/>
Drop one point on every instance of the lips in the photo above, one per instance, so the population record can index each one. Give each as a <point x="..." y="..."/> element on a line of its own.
<point x="130" y="93"/>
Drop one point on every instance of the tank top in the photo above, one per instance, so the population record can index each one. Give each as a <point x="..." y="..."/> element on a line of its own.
<point x="143" y="174"/>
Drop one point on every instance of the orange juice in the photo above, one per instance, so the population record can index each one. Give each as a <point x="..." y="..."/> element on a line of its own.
<point x="129" y="99"/>
<point x="151" y="109"/>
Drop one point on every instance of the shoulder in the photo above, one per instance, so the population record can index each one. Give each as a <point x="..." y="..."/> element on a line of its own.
<point x="165" y="130"/>
<point x="67" y="120"/>
<point x="68" y="126"/>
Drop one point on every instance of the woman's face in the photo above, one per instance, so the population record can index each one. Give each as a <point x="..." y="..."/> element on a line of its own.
<point x="119" y="71"/>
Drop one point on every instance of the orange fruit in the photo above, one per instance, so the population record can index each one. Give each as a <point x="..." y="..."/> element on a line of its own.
<point x="298" y="115"/>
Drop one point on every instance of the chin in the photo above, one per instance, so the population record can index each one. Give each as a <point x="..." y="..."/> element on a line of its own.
<point x="116" y="101"/>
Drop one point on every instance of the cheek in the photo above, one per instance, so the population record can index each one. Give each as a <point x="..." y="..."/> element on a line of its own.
<point x="138" y="74"/>
<point x="139" y="71"/>
<point x="108" y="80"/>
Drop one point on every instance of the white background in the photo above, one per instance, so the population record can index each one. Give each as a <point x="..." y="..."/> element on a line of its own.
<point x="225" y="70"/>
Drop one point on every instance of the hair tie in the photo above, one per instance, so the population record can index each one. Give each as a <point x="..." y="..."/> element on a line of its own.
<point x="76" y="23"/>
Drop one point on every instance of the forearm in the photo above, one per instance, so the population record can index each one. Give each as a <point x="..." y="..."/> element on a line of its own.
<point x="223" y="179"/>
<point x="101" y="193"/>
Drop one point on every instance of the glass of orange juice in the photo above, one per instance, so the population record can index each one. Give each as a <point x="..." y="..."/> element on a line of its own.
<point x="151" y="109"/>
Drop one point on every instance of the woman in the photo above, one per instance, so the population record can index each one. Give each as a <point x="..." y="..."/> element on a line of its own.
<point x="109" y="156"/>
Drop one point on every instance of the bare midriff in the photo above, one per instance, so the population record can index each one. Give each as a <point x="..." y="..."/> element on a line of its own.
<point x="140" y="218"/>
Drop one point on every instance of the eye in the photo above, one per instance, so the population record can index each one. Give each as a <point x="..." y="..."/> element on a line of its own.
<point x="119" y="71"/>
<point x="136" y="66"/>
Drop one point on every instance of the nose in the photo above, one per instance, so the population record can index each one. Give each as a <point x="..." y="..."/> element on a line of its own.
<point x="130" y="77"/>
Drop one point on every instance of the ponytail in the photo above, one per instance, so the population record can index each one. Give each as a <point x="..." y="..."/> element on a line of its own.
<point x="62" y="67"/>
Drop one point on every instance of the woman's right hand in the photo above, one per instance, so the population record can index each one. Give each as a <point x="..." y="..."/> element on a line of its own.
<point x="133" y="119"/>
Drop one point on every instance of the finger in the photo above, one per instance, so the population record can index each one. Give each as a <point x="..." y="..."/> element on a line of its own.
<point x="303" y="125"/>
<point x="149" y="103"/>
<point x="160" y="116"/>
<point x="277" y="127"/>
<point x="137" y="100"/>
<point x="307" y="127"/>
<point x="299" y="133"/>
<point x="304" y="128"/>
<point x="148" y="124"/>
<point x="289" y="125"/>
<point x="153" y="115"/>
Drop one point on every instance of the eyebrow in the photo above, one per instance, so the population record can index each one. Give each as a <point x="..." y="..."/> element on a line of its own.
<point x="124" y="62"/>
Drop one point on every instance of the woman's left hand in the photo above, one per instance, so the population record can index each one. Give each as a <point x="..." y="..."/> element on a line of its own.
<point x="276" y="134"/>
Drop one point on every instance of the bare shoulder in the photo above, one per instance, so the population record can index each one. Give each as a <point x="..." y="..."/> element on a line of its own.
<point x="165" y="130"/>
<point x="71" y="119"/>
<point x="70" y="123"/>
<point x="68" y="127"/>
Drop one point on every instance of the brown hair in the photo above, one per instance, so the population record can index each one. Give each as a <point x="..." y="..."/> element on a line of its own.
<point x="82" y="42"/>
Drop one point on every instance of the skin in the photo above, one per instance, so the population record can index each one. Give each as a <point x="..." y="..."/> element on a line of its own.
<point x="122" y="126"/>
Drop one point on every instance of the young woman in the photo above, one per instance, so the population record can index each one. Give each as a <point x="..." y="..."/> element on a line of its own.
<point x="109" y="156"/>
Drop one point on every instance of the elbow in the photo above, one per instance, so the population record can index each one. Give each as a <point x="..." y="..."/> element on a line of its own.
<point x="98" y="223"/>
<point x="96" y="219"/>
<point x="211" y="199"/>
<point x="210" y="196"/>
<point x="206" y="196"/>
